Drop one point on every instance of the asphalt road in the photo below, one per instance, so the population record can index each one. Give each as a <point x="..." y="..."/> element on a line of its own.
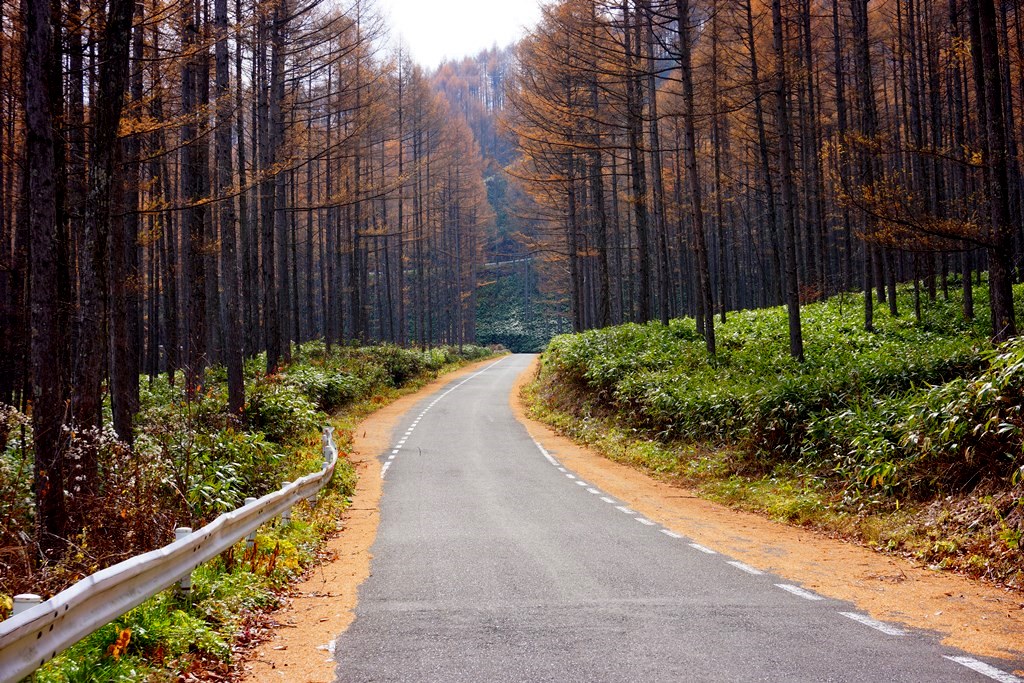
<point x="493" y="563"/>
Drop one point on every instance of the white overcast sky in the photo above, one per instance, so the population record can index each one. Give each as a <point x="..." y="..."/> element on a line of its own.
<point x="434" y="30"/>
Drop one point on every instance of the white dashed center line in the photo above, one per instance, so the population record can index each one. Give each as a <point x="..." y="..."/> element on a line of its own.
<point x="415" y="423"/>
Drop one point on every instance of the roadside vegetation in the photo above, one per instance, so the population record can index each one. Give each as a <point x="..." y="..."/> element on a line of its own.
<point x="909" y="438"/>
<point x="192" y="460"/>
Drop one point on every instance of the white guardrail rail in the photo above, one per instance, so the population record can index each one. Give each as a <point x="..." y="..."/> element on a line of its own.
<point x="33" y="637"/>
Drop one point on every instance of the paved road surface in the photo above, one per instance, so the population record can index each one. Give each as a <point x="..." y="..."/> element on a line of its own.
<point x="492" y="563"/>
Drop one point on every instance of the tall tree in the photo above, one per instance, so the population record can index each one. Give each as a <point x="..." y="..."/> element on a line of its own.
<point x="690" y="155"/>
<point x="48" y="377"/>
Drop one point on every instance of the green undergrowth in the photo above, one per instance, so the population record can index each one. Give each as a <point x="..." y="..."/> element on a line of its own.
<point x="191" y="462"/>
<point x="908" y="438"/>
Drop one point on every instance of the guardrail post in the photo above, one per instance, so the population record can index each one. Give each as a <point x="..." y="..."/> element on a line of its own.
<point x="185" y="582"/>
<point x="250" y="540"/>
<point x="329" y="448"/>
<point x="286" y="516"/>
<point x="25" y="602"/>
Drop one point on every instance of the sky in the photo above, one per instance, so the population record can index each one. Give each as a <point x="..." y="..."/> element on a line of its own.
<point x="434" y="30"/>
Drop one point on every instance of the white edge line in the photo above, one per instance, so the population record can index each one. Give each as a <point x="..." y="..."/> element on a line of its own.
<point x="745" y="568"/>
<point x="885" y="628"/>
<point x="544" y="452"/>
<point x="798" y="591"/>
<point x="644" y="521"/>
<point x="608" y="500"/>
<point x="985" y="669"/>
<point x="594" y="491"/>
<point x="670" y="534"/>
<point x="703" y="549"/>
<point x="625" y="510"/>
<point x="434" y="402"/>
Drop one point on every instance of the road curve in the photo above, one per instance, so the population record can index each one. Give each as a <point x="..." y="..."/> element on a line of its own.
<point x="494" y="563"/>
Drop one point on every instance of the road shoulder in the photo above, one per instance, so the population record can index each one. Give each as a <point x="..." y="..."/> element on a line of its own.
<point x="966" y="614"/>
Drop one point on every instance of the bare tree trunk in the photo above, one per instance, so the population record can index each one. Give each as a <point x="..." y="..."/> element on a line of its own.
<point x="192" y="191"/>
<point x="125" y="278"/>
<point x="763" y="152"/>
<point x="690" y="156"/>
<point x="657" y="185"/>
<point x="843" y="132"/>
<point x="638" y="172"/>
<point x="596" y="172"/>
<point x="278" y="29"/>
<point x="869" y="131"/>
<point x="48" y="377"/>
<point x="228" y="219"/>
<point x="104" y="178"/>
<point x="796" y="342"/>
<point x="1000" y="254"/>
<point x="268" y="160"/>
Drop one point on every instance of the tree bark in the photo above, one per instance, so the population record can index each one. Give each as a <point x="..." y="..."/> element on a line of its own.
<point x="48" y="377"/>
<point x="796" y="343"/>
<point x="224" y="182"/>
<point x="700" y="249"/>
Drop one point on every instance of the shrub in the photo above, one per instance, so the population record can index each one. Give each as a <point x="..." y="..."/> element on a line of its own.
<point x="847" y="407"/>
<point x="330" y="390"/>
<point x="280" y="410"/>
<point x="400" y="364"/>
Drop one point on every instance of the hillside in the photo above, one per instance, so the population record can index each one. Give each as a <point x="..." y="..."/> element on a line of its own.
<point x="518" y="304"/>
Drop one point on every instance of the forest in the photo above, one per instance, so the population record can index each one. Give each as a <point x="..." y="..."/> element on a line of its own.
<point x="787" y="237"/>
<point x="697" y="157"/>
<point x="191" y="193"/>
<point x="191" y="185"/>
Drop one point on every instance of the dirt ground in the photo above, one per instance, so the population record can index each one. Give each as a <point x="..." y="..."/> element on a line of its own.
<point x="977" y="618"/>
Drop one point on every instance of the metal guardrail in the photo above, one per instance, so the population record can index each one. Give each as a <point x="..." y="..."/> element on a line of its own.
<point x="30" y="639"/>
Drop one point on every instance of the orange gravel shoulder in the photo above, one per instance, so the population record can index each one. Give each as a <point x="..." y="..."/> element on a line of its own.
<point x="323" y="605"/>
<point x="967" y="614"/>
